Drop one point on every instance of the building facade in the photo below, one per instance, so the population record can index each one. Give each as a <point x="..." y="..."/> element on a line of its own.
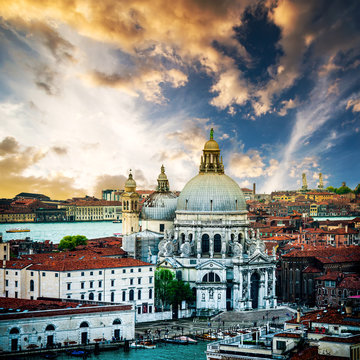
<point x="211" y="246"/>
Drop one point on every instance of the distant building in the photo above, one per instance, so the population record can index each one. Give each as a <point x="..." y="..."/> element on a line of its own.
<point x="111" y="195"/>
<point x="25" y="195"/>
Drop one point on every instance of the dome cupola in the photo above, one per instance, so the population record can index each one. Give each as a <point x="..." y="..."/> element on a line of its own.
<point x="163" y="182"/>
<point x="211" y="162"/>
<point x="130" y="184"/>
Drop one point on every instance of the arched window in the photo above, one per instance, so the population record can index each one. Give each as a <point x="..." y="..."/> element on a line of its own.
<point x="112" y="297"/>
<point x="14" y="331"/>
<point x="99" y="296"/>
<point x="139" y="294"/>
<point x="232" y="237"/>
<point x="117" y="322"/>
<point x="50" y="328"/>
<point x="84" y="324"/>
<point x="91" y="296"/>
<point x="131" y="295"/>
<point x="124" y="295"/>
<point x="240" y="237"/>
<point x="182" y="237"/>
<point x="217" y="243"/>
<point x="211" y="277"/>
<point x="31" y="285"/>
<point x="205" y="244"/>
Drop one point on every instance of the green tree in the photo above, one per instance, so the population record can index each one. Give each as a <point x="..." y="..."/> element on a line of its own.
<point x="163" y="279"/>
<point x="331" y="189"/>
<point x="343" y="190"/>
<point x="170" y="291"/>
<point x="70" y="242"/>
<point x="179" y="291"/>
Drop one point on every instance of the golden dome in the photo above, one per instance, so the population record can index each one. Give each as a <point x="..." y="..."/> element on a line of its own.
<point x="130" y="184"/>
<point x="211" y="145"/>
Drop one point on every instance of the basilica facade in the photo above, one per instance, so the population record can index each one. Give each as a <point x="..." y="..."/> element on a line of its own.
<point x="209" y="242"/>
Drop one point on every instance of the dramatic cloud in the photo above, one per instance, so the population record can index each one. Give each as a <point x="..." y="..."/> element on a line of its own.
<point x="354" y="105"/>
<point x="104" y="182"/>
<point x="15" y="161"/>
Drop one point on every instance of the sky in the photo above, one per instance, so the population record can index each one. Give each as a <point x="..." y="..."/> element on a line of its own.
<point x="91" y="89"/>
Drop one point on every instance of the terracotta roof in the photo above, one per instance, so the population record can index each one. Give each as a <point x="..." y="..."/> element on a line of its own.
<point x="329" y="276"/>
<point x="342" y="339"/>
<point x="311" y="353"/>
<point x="96" y="263"/>
<point x="311" y="269"/>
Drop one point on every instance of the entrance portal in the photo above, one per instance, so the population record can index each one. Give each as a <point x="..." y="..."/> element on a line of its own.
<point x="84" y="337"/>
<point x="254" y="293"/>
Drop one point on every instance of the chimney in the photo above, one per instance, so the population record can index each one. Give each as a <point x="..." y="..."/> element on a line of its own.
<point x="254" y="188"/>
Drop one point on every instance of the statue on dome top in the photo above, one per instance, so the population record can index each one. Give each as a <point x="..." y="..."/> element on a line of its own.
<point x="211" y="134"/>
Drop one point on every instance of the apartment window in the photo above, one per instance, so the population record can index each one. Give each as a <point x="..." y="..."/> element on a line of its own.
<point x="139" y="270"/>
<point x="68" y="274"/>
<point x="91" y="273"/>
<point x="43" y="274"/>
<point x="82" y="297"/>
<point x="83" y="285"/>
<point x="82" y="273"/>
<point x="150" y="279"/>
<point x="99" y="296"/>
<point x="100" y="272"/>
<point x="7" y="273"/>
<point x="150" y="293"/>
<point x="131" y="281"/>
<point x="124" y="296"/>
<point x="150" y="269"/>
<point x="139" y="294"/>
<point x="139" y="281"/>
<point x="124" y="271"/>
<point x="131" y="270"/>
<point x="16" y="294"/>
<point x="31" y="273"/>
<point x="112" y="282"/>
<point x="16" y="273"/>
<point x="112" y="297"/>
<point x="91" y="284"/>
<point x="68" y="286"/>
<point x="6" y="294"/>
<point x="16" y="284"/>
<point x="131" y="295"/>
<point x="31" y="298"/>
<point x="56" y="275"/>
<point x="100" y="283"/>
<point x="6" y="282"/>
<point x="113" y="271"/>
<point x="139" y="310"/>
<point x="150" y="309"/>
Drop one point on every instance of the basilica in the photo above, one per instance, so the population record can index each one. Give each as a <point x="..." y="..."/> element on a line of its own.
<point x="203" y="236"/>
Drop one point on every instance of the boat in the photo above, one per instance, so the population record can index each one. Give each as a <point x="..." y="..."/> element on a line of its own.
<point x="78" y="353"/>
<point x="50" y="355"/>
<point x="175" y="341"/>
<point x="143" y="345"/>
<point x="17" y="230"/>
<point x="118" y="234"/>
<point x="186" y="338"/>
<point x="117" y="221"/>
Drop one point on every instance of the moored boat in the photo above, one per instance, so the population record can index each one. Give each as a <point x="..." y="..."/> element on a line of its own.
<point x="17" y="230"/>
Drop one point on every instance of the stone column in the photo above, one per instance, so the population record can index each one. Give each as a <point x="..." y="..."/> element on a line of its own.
<point x="249" y="305"/>
<point x="223" y="244"/>
<point x="273" y="288"/>
<point x="198" y="243"/>
<point x="211" y="252"/>
<point x="266" y="290"/>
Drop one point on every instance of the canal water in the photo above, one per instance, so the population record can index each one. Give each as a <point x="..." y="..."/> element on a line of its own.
<point x="162" y="352"/>
<point x="56" y="231"/>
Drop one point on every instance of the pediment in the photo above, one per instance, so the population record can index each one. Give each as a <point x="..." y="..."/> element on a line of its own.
<point x="211" y="265"/>
<point x="169" y="263"/>
<point x="258" y="257"/>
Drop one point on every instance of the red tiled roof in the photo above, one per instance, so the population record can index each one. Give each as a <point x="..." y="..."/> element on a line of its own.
<point x="311" y="353"/>
<point x="96" y="263"/>
<point x="311" y="269"/>
<point x="342" y="339"/>
<point x="329" y="276"/>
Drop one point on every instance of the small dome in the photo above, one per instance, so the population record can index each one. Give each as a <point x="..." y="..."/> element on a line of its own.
<point x="211" y="192"/>
<point x="160" y="206"/>
<point x="211" y="145"/>
<point x="130" y="184"/>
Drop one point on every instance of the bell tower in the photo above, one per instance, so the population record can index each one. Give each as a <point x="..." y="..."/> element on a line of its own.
<point x="130" y="207"/>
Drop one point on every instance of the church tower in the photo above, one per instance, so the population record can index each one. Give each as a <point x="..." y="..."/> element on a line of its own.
<point x="130" y="207"/>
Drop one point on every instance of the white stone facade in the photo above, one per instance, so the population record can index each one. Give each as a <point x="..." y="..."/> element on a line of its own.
<point x="134" y="284"/>
<point x="40" y="328"/>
